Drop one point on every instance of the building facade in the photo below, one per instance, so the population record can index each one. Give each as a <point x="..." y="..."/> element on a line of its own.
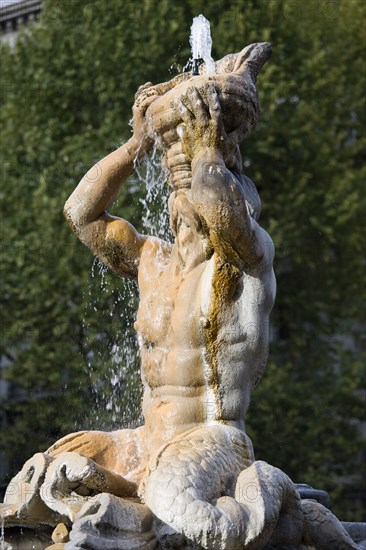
<point x="15" y="15"/>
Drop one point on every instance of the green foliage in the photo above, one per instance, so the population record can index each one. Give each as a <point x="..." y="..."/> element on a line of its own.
<point x="68" y="87"/>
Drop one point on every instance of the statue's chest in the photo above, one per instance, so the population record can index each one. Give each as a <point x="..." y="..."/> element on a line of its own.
<point x="170" y="305"/>
<point x="155" y="308"/>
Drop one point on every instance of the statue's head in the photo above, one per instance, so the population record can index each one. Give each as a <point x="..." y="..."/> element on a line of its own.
<point x="182" y="212"/>
<point x="190" y="234"/>
<point x="185" y="220"/>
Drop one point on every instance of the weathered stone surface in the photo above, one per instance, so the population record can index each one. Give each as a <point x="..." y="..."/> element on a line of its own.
<point x="323" y="529"/>
<point x="72" y="480"/>
<point x="307" y="492"/>
<point x="112" y="523"/>
<point x="163" y="119"/>
<point x="23" y="494"/>
<point x="60" y="533"/>
<point x="357" y="530"/>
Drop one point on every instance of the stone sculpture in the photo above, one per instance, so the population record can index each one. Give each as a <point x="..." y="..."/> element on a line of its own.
<point x="187" y="478"/>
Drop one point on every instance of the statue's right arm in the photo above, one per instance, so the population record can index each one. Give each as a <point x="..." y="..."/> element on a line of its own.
<point x="114" y="240"/>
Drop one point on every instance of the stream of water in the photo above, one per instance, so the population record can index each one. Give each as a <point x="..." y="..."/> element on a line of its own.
<point x="112" y="352"/>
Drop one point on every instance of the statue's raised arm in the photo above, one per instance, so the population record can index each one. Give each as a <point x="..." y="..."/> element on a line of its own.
<point x="114" y="240"/>
<point x="226" y="200"/>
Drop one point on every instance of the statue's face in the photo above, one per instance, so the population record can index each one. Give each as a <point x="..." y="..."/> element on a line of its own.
<point x="184" y="218"/>
<point x="187" y="228"/>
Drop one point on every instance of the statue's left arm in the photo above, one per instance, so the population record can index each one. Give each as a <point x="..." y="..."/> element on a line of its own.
<point x="220" y="194"/>
<point x="220" y="199"/>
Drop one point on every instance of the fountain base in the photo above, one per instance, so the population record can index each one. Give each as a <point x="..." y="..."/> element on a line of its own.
<point x="56" y="504"/>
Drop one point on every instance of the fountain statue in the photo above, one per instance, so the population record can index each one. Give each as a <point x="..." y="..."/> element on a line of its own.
<point x="187" y="478"/>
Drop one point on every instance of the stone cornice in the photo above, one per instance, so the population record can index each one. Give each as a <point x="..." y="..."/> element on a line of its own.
<point x="12" y="16"/>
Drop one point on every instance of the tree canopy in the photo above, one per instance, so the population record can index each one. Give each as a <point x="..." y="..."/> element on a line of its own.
<point x="68" y="87"/>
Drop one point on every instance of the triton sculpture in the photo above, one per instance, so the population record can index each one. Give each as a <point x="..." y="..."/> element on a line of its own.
<point x="187" y="478"/>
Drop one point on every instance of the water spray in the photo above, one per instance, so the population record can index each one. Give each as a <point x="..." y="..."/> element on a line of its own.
<point x="201" y="45"/>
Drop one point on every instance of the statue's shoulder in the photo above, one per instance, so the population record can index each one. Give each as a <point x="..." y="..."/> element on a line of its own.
<point x="265" y="245"/>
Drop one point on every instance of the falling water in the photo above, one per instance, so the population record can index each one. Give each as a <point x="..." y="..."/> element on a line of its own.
<point x="112" y="349"/>
<point x="201" y="42"/>
<point x="155" y="219"/>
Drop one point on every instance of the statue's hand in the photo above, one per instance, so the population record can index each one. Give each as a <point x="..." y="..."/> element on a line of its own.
<point x="203" y="127"/>
<point x="145" y="95"/>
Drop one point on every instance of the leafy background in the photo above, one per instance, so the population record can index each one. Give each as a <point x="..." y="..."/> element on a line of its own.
<point x="68" y="87"/>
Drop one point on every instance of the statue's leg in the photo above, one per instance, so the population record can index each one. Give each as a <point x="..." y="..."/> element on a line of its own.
<point x="192" y="483"/>
<point x="121" y="451"/>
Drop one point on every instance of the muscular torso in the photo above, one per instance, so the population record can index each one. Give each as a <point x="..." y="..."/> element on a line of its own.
<point x="203" y="335"/>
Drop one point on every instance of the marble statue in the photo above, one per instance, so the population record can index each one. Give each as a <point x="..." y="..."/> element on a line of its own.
<point x="187" y="478"/>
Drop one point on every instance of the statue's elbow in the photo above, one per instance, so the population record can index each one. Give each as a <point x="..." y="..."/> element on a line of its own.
<point x="71" y="217"/>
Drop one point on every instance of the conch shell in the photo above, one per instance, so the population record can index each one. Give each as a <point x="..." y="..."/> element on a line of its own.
<point x="234" y="81"/>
